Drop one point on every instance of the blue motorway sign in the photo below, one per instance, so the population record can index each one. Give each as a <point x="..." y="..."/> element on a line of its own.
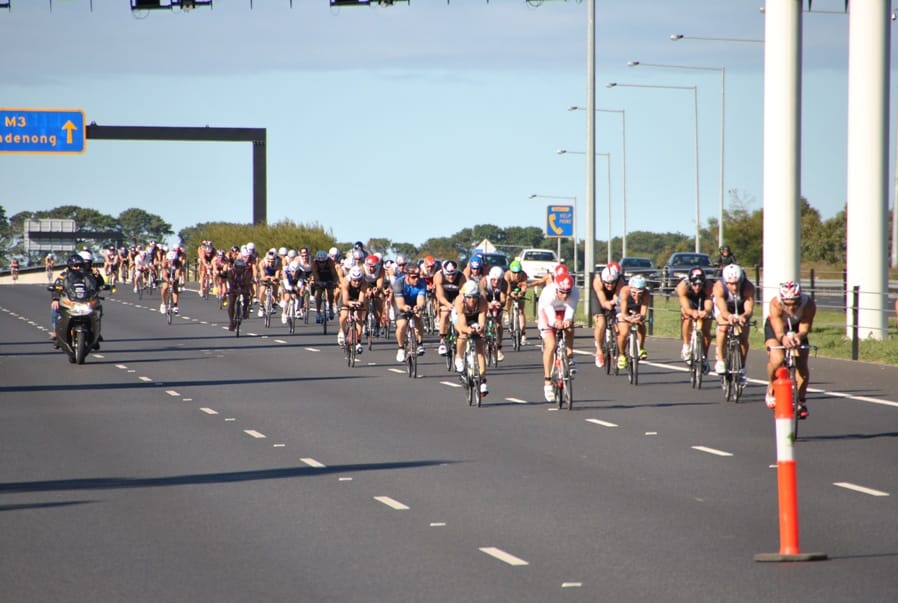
<point x="42" y="131"/>
<point x="559" y="221"/>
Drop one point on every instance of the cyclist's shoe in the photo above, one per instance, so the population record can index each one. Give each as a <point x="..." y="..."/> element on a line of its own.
<point x="600" y="359"/>
<point x="261" y="312"/>
<point x="459" y="365"/>
<point x="523" y="339"/>
<point x="770" y="399"/>
<point x="500" y="356"/>
<point x="643" y="355"/>
<point x="341" y="338"/>
<point x="802" y="411"/>
<point x="622" y="362"/>
<point x="720" y="367"/>
<point x="549" y="392"/>
<point x="283" y="318"/>
<point x="232" y="326"/>
<point x="442" y="348"/>
<point x="135" y="288"/>
<point x="420" y="350"/>
<point x="684" y="353"/>
<point x="330" y="314"/>
<point x="572" y="364"/>
<point x="176" y="310"/>
<point x="359" y="349"/>
<point x="484" y="390"/>
<point x="400" y="355"/>
<point x="299" y="314"/>
<point x="742" y="378"/>
<point x="162" y="309"/>
<point x="706" y="366"/>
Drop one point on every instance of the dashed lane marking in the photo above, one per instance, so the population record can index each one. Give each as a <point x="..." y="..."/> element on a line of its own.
<point x="450" y="383"/>
<point x="254" y="433"/>
<point x="209" y="411"/>
<point x="712" y="451"/>
<point x="861" y="489"/>
<point x="172" y="393"/>
<point x="144" y="378"/>
<point x="503" y="556"/>
<point x="312" y="462"/>
<point x="517" y="400"/>
<point x="602" y="423"/>
<point x="392" y="503"/>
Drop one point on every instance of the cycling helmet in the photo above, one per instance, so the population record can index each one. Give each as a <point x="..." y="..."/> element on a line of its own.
<point x="559" y="270"/>
<point x="476" y="263"/>
<point x="615" y="266"/>
<point x="355" y="274"/>
<point x="234" y="249"/>
<point x="251" y="247"/>
<point x="413" y="269"/>
<point x="291" y="254"/>
<point x="75" y="261"/>
<point x="790" y="290"/>
<point x="429" y="261"/>
<point x="282" y="251"/>
<point x="272" y="253"/>
<point x="565" y="283"/>
<point x="401" y="260"/>
<point x="449" y="268"/>
<point x="732" y="273"/>
<point x="171" y="256"/>
<point x="358" y="255"/>
<point x="372" y="261"/>
<point x="515" y="266"/>
<point x="321" y="256"/>
<point x="610" y="275"/>
<point x="637" y="282"/>
<point x="697" y="276"/>
<point x="333" y="252"/>
<point x="220" y="253"/>
<point x="87" y="256"/>
<point x="496" y="273"/>
<point x="470" y="289"/>
<point x="358" y="245"/>
<point x="240" y="265"/>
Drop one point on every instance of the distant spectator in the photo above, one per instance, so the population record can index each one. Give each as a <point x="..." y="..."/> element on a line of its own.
<point x="726" y="257"/>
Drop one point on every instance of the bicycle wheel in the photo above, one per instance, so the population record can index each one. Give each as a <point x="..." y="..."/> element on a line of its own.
<point x="633" y="358"/>
<point x="450" y="349"/>
<point x="567" y="383"/>
<point x="305" y="305"/>
<point x="695" y="363"/>
<point x="291" y="314"/>
<point x="169" y="311"/>
<point x="349" y="345"/>
<point x="795" y="403"/>
<point x="238" y="314"/>
<point x="267" y="307"/>
<point x="372" y="328"/>
<point x="738" y="385"/>
<point x="140" y="288"/>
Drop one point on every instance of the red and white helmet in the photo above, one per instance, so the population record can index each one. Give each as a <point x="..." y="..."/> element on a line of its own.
<point x="790" y="290"/>
<point x="564" y="283"/>
<point x="732" y="273"/>
<point x="610" y="274"/>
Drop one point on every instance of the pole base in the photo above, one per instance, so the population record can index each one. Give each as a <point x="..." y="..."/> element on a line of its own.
<point x="767" y="557"/>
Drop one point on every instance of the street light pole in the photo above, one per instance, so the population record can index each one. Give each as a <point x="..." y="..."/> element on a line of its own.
<point x="608" y="157"/>
<point x="694" y="90"/>
<point x="723" y="93"/>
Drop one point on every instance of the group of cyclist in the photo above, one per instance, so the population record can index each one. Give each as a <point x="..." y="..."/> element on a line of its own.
<point x="728" y="301"/>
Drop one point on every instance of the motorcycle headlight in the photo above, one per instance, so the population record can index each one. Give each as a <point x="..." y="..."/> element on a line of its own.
<point x="80" y="309"/>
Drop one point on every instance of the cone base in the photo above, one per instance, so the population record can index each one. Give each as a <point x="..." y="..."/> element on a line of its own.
<point x="767" y="557"/>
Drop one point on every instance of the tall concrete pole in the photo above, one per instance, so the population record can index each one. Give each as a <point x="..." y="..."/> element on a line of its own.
<point x="589" y="256"/>
<point x="868" y="152"/>
<point x="782" y="144"/>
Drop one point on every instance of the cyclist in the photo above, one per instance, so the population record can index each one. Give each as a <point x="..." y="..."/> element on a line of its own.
<point x="557" y="305"/>
<point x="409" y="294"/>
<point x="205" y="254"/>
<point x="516" y="286"/>
<point x="606" y="285"/>
<point x="696" y="302"/>
<point x="14" y="268"/>
<point x="494" y="288"/>
<point x="269" y="272"/>
<point x="789" y="320"/>
<point x="49" y="264"/>
<point x="726" y="257"/>
<point x="220" y="264"/>
<point x="734" y="303"/>
<point x="469" y="315"/>
<point x="172" y="267"/>
<point x="294" y="283"/>
<point x="240" y="281"/>
<point x="447" y="284"/>
<point x="324" y="280"/>
<point x="375" y="277"/>
<point x="634" y="310"/>
<point x="474" y="270"/>
<point x="353" y="293"/>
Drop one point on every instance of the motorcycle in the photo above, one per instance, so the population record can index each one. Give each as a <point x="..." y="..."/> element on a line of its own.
<point x="80" y="311"/>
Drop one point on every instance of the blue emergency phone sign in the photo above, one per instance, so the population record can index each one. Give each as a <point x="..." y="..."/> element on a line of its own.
<point x="42" y="131"/>
<point x="559" y="221"/>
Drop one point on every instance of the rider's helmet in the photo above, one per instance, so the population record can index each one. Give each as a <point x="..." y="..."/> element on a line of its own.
<point x="355" y="274"/>
<point x="565" y="283"/>
<point x="88" y="257"/>
<point x="401" y="261"/>
<point x="470" y="289"/>
<point x="291" y="254"/>
<point x="496" y="273"/>
<point x="220" y="253"/>
<point x="412" y="269"/>
<point x="171" y="256"/>
<point x="637" y="282"/>
<point x="610" y="275"/>
<point x="732" y="273"/>
<point x="282" y="251"/>
<point x="429" y="262"/>
<point x="271" y="255"/>
<point x="724" y="248"/>
<point x="450" y="268"/>
<point x="235" y="249"/>
<point x="333" y="252"/>
<point x="358" y="245"/>
<point x="515" y="266"/>
<point x="559" y="271"/>
<point x="321" y="256"/>
<point x="358" y="255"/>
<point x="696" y="276"/>
<point x="615" y="266"/>
<point x="372" y="261"/>
<point x="251" y="247"/>
<point x="476" y="263"/>
<point x="75" y="262"/>
<point x="789" y="290"/>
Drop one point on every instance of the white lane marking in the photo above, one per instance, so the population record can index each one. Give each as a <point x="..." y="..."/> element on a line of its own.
<point x="517" y="400"/>
<point x="278" y="445"/>
<point x="712" y="451"/>
<point x="172" y="393"/>
<point x="312" y="462"/>
<point x="209" y="411"/>
<point x="395" y="370"/>
<point x="450" y="383"/>
<point x="144" y="378"/>
<point x="279" y="341"/>
<point x="860" y="489"/>
<point x="99" y="356"/>
<point x="438" y="524"/>
<point x="344" y="479"/>
<point x="502" y="555"/>
<point x="602" y="423"/>
<point x="187" y="400"/>
<point x="132" y="371"/>
<point x="571" y="584"/>
<point x="392" y="503"/>
<point x="312" y="349"/>
<point x="651" y="433"/>
<point x="254" y="433"/>
<point x="230" y="419"/>
<point x="860" y="398"/>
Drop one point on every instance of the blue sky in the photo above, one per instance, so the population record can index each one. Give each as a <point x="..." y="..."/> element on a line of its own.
<point x="413" y="121"/>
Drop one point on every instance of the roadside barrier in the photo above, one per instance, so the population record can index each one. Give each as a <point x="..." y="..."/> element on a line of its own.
<point x="786" y="476"/>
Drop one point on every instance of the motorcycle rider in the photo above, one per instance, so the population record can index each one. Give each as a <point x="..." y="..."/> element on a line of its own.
<point x="78" y="267"/>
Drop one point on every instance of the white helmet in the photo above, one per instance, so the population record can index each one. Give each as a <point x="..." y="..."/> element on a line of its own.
<point x="610" y="274"/>
<point x="86" y="255"/>
<point x="251" y="247"/>
<point x="496" y="272"/>
<point x="282" y="251"/>
<point x="333" y="252"/>
<point x="732" y="273"/>
<point x="355" y="273"/>
<point x="171" y="256"/>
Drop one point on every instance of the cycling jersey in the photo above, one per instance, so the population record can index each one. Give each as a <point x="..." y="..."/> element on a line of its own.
<point x="550" y="304"/>
<point x="408" y="293"/>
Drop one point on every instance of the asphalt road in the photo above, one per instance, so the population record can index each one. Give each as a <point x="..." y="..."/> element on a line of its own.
<point x="181" y="463"/>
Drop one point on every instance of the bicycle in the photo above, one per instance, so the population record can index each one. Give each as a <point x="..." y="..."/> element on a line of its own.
<point x="267" y="302"/>
<point x="351" y="339"/>
<point x="168" y="301"/>
<point x="429" y="317"/>
<point x="562" y="376"/>
<point x="633" y="355"/>
<point x="731" y="380"/>
<point x="609" y="343"/>
<point x="411" y="346"/>
<point x="490" y="345"/>
<point x="697" y="357"/>
<point x="470" y="376"/>
<point x="450" y="340"/>
<point x="205" y="277"/>
<point x="372" y="328"/>
<point x="239" y="304"/>
<point x="789" y="362"/>
<point x="290" y="309"/>
<point x="222" y="293"/>
<point x="306" y="296"/>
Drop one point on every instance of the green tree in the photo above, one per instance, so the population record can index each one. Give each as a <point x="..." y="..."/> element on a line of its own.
<point x="85" y="218"/>
<point x="138" y="226"/>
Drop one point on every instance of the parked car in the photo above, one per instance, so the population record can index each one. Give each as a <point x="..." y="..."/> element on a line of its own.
<point x="536" y="262"/>
<point x="495" y="259"/>
<point x="679" y="264"/>
<point x="632" y="266"/>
